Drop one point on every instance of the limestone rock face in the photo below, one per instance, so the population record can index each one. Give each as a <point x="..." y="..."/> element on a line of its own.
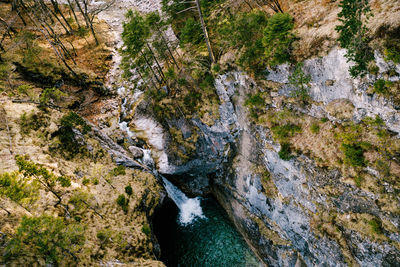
<point x="294" y="212"/>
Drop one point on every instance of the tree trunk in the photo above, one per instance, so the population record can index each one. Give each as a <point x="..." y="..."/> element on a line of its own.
<point x="73" y="12"/>
<point x="203" y="26"/>
<point x="57" y="10"/>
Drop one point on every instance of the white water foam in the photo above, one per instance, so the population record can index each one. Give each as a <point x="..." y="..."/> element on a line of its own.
<point x="189" y="208"/>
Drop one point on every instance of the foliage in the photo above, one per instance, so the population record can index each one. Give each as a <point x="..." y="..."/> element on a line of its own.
<point x="392" y="49"/>
<point x="119" y="170"/>
<point x="315" y="128"/>
<point x="48" y="179"/>
<point x="17" y="188"/>
<point x="33" y="121"/>
<point x="68" y="143"/>
<point x="245" y="31"/>
<point x="255" y="103"/>
<point x="123" y="202"/>
<point x="353" y="35"/>
<point x="191" y="33"/>
<point x="128" y="190"/>
<point x="286" y="152"/>
<point x="53" y="94"/>
<point x="24" y="89"/>
<point x="74" y="120"/>
<point x="48" y="238"/>
<point x="299" y="80"/>
<point x="376" y="226"/>
<point x="146" y="229"/>
<point x="358" y="180"/>
<point x="283" y="132"/>
<point x="354" y="155"/>
<point x="278" y="39"/>
<point x="381" y="86"/>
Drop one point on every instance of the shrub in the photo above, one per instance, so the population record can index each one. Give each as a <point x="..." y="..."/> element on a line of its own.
<point x="255" y="103"/>
<point x="354" y="155"/>
<point x="300" y="81"/>
<point x="392" y="49"/>
<point x="146" y="229"/>
<point x="120" y="170"/>
<point x="24" y="89"/>
<point x="314" y="128"/>
<point x="48" y="238"/>
<point x="191" y="33"/>
<point x="324" y="119"/>
<point x="33" y="121"/>
<point x="128" y="190"/>
<point x="358" y="180"/>
<point x="381" y="86"/>
<point x="376" y="226"/>
<point x="48" y="94"/>
<point x="278" y="38"/>
<point x="283" y="132"/>
<point x="286" y="152"/>
<point x="123" y="202"/>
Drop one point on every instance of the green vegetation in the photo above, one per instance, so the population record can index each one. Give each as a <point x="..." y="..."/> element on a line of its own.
<point x="146" y="229"/>
<point x="283" y="132"/>
<point x="353" y="35"/>
<point x="51" y="94"/>
<point x="286" y="152"/>
<point x="278" y="38"/>
<point x="376" y="226"/>
<point x="123" y="202"/>
<point x="47" y="238"/>
<point x="392" y="48"/>
<point x="128" y="190"/>
<point x="382" y="87"/>
<point x="300" y="81"/>
<point x="18" y="189"/>
<point x="354" y="155"/>
<point x="358" y="180"/>
<point x="315" y="128"/>
<point x="191" y="33"/>
<point x="33" y="121"/>
<point x="244" y="32"/>
<point x="120" y="170"/>
<point x="69" y="145"/>
<point x="256" y="104"/>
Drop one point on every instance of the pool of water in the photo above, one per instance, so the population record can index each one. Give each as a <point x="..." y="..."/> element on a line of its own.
<point x="209" y="241"/>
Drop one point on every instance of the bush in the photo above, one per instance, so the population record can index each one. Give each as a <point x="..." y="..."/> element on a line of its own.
<point x="299" y="80"/>
<point x="255" y="103"/>
<point x="358" y="180"/>
<point x="24" y="89"/>
<point x="381" y="86"/>
<point x="48" y="94"/>
<point x="314" y="128"/>
<point x="376" y="226"/>
<point x="286" y="152"/>
<point x="278" y="39"/>
<point x="191" y="33"/>
<point x="128" y="190"/>
<point x="120" y="170"/>
<point x="47" y="238"/>
<point x="123" y="202"/>
<point x="354" y="155"/>
<point x="392" y="49"/>
<point x="33" y="121"/>
<point x="146" y="229"/>
<point x="283" y="132"/>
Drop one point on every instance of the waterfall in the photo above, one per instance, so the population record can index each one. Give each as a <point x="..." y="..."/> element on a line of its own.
<point x="189" y="208"/>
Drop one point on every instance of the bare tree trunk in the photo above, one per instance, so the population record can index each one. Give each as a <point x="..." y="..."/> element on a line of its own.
<point x="203" y="25"/>
<point x="83" y="13"/>
<point x="57" y="10"/>
<point x="155" y="59"/>
<point x="73" y="12"/>
<point x="149" y="65"/>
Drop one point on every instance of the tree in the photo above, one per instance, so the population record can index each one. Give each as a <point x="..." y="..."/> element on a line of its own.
<point x="278" y="38"/>
<point x="300" y="81"/>
<point x="353" y="35"/>
<point x="47" y="238"/>
<point x="43" y="176"/>
<point x="18" y="189"/>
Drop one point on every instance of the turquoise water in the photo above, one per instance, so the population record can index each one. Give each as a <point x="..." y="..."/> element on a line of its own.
<point x="210" y="242"/>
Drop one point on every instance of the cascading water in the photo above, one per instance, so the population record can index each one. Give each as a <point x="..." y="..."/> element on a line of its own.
<point x="189" y="208"/>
